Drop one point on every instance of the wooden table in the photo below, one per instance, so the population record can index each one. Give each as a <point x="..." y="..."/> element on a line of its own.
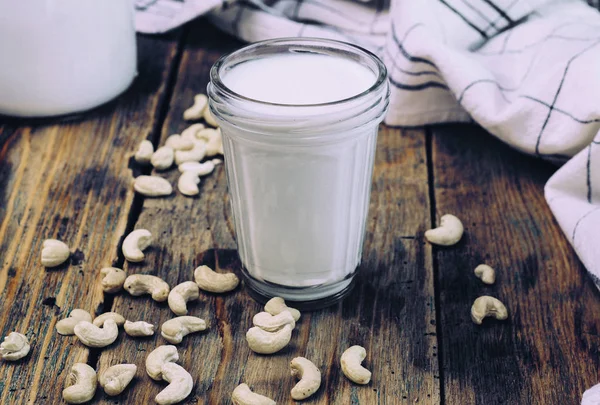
<point x="411" y="306"/>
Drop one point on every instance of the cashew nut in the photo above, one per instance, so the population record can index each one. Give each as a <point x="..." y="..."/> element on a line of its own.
<point x="242" y="395"/>
<point x="116" y="378"/>
<point x="195" y="154"/>
<point x="488" y="306"/>
<point x="66" y="326"/>
<point x="162" y="159"/>
<point x="140" y="328"/>
<point x="100" y="319"/>
<point x="485" y="273"/>
<point x="277" y="304"/>
<point x="309" y="375"/>
<point x="174" y="330"/>
<point x="263" y="342"/>
<point x="93" y="336"/>
<point x="152" y="186"/>
<point x="351" y="367"/>
<point x="190" y="132"/>
<point x="272" y="323"/>
<point x="209" y="118"/>
<point x="180" y="384"/>
<point x="209" y="280"/>
<point x="144" y="152"/>
<point x="140" y="284"/>
<point x="201" y="169"/>
<point x="135" y="243"/>
<point x="14" y="347"/>
<point x="112" y="280"/>
<point x="448" y="233"/>
<point x="188" y="183"/>
<point x="177" y="142"/>
<point x="157" y="358"/>
<point x="196" y="110"/>
<point x="217" y="161"/>
<point x="81" y="384"/>
<point x="213" y="139"/>
<point x="54" y="253"/>
<point x="181" y="294"/>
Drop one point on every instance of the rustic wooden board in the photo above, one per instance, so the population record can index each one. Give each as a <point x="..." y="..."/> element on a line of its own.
<point x="547" y="352"/>
<point x="68" y="180"/>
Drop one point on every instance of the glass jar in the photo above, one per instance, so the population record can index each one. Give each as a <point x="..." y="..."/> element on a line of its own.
<point x="299" y="176"/>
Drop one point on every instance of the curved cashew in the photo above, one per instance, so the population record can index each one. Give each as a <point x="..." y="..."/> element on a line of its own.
<point x="309" y="375"/>
<point x="195" y="154"/>
<point x="488" y="306"/>
<point x="174" y="330"/>
<point x="485" y="273"/>
<point x="351" y="367"/>
<point x="242" y="395"/>
<point x="277" y="304"/>
<point x="213" y="139"/>
<point x="209" y="118"/>
<point x="54" y="253"/>
<point x="263" y="342"/>
<point x="14" y="347"/>
<point x="201" y="169"/>
<point x="196" y="110"/>
<point x="112" y="279"/>
<point x="100" y="319"/>
<point x="188" y="183"/>
<point x="66" y="326"/>
<point x="81" y="384"/>
<point x="116" y="378"/>
<point x="180" y="384"/>
<point x="181" y="294"/>
<point x="209" y="280"/>
<point x="152" y="186"/>
<point x="190" y="132"/>
<point x="157" y="358"/>
<point x="217" y="161"/>
<point x="140" y="328"/>
<point x="144" y="152"/>
<point x="448" y="233"/>
<point x="177" y="142"/>
<point x="134" y="243"/>
<point x="162" y="159"/>
<point x="140" y="284"/>
<point x="93" y="336"/>
<point x="272" y="323"/>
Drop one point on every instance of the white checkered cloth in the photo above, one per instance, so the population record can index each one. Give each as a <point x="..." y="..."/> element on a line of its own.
<point x="528" y="71"/>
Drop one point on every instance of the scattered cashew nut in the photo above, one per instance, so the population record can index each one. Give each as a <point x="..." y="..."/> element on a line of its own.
<point x="66" y="326"/>
<point x="242" y="395"/>
<point x="188" y="183"/>
<point x="54" y="253"/>
<point x="162" y="159"/>
<point x="14" y="347"/>
<point x="486" y="273"/>
<point x="201" y="169"/>
<point x="174" y="330"/>
<point x="213" y="139"/>
<point x="217" y="161"/>
<point x="488" y="306"/>
<point x="272" y="323"/>
<point x="448" y="233"/>
<point x="209" y="280"/>
<point x="112" y="279"/>
<point x="177" y="142"/>
<point x="180" y="384"/>
<point x="116" y="378"/>
<point x="139" y="328"/>
<point x="81" y="384"/>
<point x="157" y="358"/>
<point x="100" y="319"/>
<point x="263" y="342"/>
<point x="209" y="118"/>
<point x="144" y="152"/>
<point x="309" y="375"/>
<point x="196" y="110"/>
<point x="190" y="132"/>
<point x="181" y="294"/>
<point x="351" y="367"/>
<point x="140" y="284"/>
<point x="195" y="154"/>
<point x="93" y="336"/>
<point x="276" y="305"/>
<point x="135" y="243"/>
<point x="152" y="186"/>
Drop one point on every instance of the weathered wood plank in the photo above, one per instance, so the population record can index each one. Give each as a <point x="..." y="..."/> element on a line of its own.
<point x="547" y="352"/>
<point x="67" y="180"/>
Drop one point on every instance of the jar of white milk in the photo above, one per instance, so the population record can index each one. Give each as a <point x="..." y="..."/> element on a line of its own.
<point x="64" y="56"/>
<point x="299" y="118"/>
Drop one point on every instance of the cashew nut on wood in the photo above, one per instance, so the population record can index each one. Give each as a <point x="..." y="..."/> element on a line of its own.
<point x="209" y="118"/>
<point x="196" y="110"/>
<point x="272" y="323"/>
<point x="54" y="253"/>
<point x="309" y="375"/>
<point x="93" y="336"/>
<point x="188" y="183"/>
<point x="180" y="384"/>
<point x="351" y="366"/>
<point x="485" y="273"/>
<point x="81" y="384"/>
<point x="157" y="358"/>
<point x="190" y="132"/>
<point x="140" y="284"/>
<point x="14" y="347"/>
<point x="209" y="280"/>
<point x="162" y="159"/>
<point x="144" y="152"/>
<point x="217" y="161"/>
<point x="195" y="154"/>
<point x="242" y="395"/>
<point x="100" y="319"/>
<point x="66" y="326"/>
<point x="139" y="328"/>
<point x="181" y="294"/>
<point x="116" y="378"/>
<point x="174" y="330"/>
<point x="112" y="279"/>
<point x="152" y="186"/>
<point x="448" y="233"/>
<point x="277" y="304"/>
<point x="263" y="342"/>
<point x="213" y="139"/>
<point x="201" y="169"/>
<point x="177" y="142"/>
<point x="135" y="243"/>
<point x="488" y="306"/>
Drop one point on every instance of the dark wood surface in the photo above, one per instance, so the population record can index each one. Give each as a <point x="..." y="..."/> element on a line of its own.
<point x="71" y="179"/>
